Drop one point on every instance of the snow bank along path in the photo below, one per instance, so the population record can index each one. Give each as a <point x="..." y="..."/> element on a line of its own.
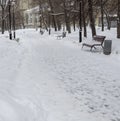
<point x="44" y="79"/>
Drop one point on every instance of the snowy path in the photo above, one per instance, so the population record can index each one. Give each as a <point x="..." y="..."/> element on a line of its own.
<point x="52" y="80"/>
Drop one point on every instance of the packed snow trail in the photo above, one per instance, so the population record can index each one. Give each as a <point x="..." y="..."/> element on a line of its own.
<point x="53" y="80"/>
<point x="36" y="83"/>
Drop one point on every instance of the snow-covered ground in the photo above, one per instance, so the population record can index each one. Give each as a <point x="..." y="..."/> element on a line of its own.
<point x="43" y="78"/>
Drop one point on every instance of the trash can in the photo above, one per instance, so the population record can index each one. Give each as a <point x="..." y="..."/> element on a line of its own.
<point x="107" y="47"/>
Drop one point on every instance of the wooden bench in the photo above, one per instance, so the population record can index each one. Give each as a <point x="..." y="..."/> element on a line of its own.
<point x="98" y="41"/>
<point x="61" y="35"/>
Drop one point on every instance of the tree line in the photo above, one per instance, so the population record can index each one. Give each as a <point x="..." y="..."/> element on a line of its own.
<point x="66" y="14"/>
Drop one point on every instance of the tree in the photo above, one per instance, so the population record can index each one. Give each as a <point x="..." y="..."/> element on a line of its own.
<point x="53" y="17"/>
<point x="66" y="8"/>
<point x="84" y="18"/>
<point x="3" y="4"/>
<point x="118" y="21"/>
<point x="102" y="15"/>
<point x="66" y="12"/>
<point x="92" y="21"/>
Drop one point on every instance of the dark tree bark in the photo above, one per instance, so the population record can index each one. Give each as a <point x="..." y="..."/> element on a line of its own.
<point x="3" y="7"/>
<point x="102" y="15"/>
<point x="74" y="22"/>
<point x="118" y="22"/>
<point x="92" y="21"/>
<point x="80" y="21"/>
<point x="3" y="20"/>
<point x="67" y="21"/>
<point x="108" y="19"/>
<point x="74" y="17"/>
<point x="58" y="24"/>
<point x="53" y="17"/>
<point x="84" y="20"/>
<point x="10" y="22"/>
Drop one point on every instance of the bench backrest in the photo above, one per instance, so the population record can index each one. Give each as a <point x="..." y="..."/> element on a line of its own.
<point x="99" y="38"/>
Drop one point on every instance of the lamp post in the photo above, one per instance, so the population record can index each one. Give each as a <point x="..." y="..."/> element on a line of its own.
<point x="3" y="5"/>
<point x="80" y="20"/>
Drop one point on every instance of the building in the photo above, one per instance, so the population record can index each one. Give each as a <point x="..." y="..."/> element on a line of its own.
<point x="23" y="5"/>
<point x="31" y="17"/>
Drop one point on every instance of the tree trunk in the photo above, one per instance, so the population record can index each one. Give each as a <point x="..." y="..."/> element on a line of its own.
<point x="108" y="19"/>
<point x="74" y="17"/>
<point x="14" y="34"/>
<point x="102" y="15"/>
<point x="92" y="21"/>
<point x="10" y="26"/>
<point x="3" y="20"/>
<point x="118" y="30"/>
<point x="80" y="21"/>
<point x="67" y="19"/>
<point x="58" y="24"/>
<point x="84" y="21"/>
<point x="118" y="22"/>
<point x="53" y="17"/>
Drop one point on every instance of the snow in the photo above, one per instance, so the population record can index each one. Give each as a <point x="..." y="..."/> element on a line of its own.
<point x="43" y="78"/>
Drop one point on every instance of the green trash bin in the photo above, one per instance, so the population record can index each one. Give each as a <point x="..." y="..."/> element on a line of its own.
<point x="107" y="47"/>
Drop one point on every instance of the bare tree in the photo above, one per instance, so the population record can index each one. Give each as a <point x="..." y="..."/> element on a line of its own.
<point x="84" y="19"/>
<point x="53" y="17"/>
<point x="92" y="21"/>
<point x="90" y="9"/>
<point x="102" y="15"/>
<point x="3" y="4"/>
<point x="118" y="21"/>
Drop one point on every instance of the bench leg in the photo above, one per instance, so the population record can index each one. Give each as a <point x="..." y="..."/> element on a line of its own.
<point x="91" y="48"/>
<point x="82" y="46"/>
<point x="95" y="47"/>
